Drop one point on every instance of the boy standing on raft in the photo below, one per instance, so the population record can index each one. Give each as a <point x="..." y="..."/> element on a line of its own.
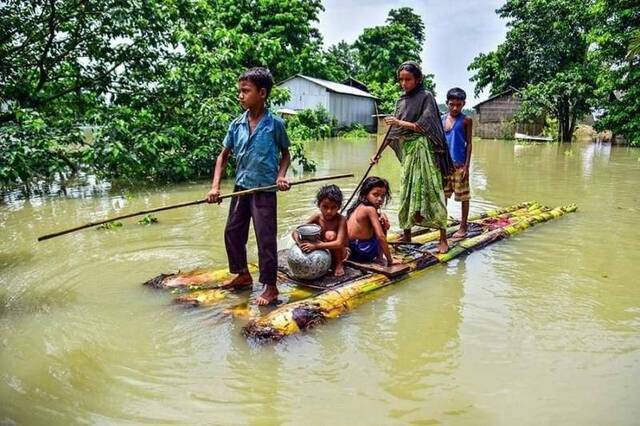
<point x="458" y="131"/>
<point x="259" y="141"/>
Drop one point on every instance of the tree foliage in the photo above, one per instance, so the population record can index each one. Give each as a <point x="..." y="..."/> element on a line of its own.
<point x="545" y="54"/>
<point x="616" y="48"/>
<point x="383" y="48"/>
<point x="341" y="62"/>
<point x="406" y="17"/>
<point x="155" y="80"/>
<point x="569" y="58"/>
<point x="380" y="50"/>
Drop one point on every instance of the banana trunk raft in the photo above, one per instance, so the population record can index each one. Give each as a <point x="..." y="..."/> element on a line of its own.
<point x="308" y="303"/>
<point x="307" y="313"/>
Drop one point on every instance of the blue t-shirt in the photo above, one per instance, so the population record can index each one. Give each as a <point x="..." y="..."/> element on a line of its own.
<point x="257" y="155"/>
<point x="457" y="140"/>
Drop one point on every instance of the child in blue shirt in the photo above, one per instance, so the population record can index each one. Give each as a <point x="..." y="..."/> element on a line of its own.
<point x="259" y="142"/>
<point x="458" y="132"/>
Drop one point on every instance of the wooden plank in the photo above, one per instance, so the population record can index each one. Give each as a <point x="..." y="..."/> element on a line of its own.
<point x="389" y="271"/>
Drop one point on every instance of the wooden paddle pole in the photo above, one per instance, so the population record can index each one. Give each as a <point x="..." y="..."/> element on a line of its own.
<point x="378" y="153"/>
<point x="193" y="203"/>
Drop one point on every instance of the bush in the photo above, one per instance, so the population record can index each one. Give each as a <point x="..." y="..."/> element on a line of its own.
<point x="310" y="124"/>
<point x="355" y="131"/>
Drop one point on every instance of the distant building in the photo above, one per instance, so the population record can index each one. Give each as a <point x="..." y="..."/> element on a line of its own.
<point x="347" y="104"/>
<point x="355" y="83"/>
<point x="494" y="119"/>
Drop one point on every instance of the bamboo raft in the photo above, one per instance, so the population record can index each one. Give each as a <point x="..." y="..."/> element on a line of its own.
<point x="307" y="304"/>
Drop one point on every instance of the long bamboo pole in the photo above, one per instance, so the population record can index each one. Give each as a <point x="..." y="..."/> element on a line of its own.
<point x="192" y="203"/>
<point x="366" y="173"/>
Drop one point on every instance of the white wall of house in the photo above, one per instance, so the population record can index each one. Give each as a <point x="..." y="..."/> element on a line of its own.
<point x="305" y="94"/>
<point x="347" y="109"/>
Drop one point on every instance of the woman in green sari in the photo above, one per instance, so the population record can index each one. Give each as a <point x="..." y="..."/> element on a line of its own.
<point x="417" y="138"/>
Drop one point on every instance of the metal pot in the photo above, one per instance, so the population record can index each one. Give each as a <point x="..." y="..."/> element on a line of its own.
<point x="308" y="266"/>
<point x="309" y="232"/>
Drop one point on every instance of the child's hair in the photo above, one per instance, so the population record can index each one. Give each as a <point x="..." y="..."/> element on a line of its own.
<point x="331" y="192"/>
<point x="260" y="77"/>
<point x="456" y="93"/>
<point x="368" y="184"/>
<point x="413" y="68"/>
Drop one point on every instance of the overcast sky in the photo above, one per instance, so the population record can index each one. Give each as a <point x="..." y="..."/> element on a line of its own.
<point x="456" y="31"/>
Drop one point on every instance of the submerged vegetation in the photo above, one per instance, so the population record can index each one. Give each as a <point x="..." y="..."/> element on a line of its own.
<point x="355" y="131"/>
<point x="148" y="220"/>
<point x="109" y="225"/>
<point x="310" y="124"/>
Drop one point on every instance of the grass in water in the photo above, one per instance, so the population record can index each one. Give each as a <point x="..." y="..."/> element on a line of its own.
<point x="148" y="220"/>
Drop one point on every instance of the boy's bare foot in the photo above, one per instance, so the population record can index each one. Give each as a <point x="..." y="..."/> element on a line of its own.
<point x="241" y="280"/>
<point x="380" y="261"/>
<point x="443" y="246"/>
<point x="268" y="296"/>
<point x="339" y="272"/>
<point x="460" y="233"/>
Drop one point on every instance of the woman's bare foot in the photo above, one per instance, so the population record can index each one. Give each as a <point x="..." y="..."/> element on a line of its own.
<point x="460" y="233"/>
<point x="241" y="280"/>
<point x="339" y="272"/>
<point x="268" y="296"/>
<point x="443" y="246"/>
<point x="406" y="236"/>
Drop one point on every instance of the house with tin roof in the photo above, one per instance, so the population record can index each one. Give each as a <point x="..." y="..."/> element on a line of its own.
<point x="347" y="104"/>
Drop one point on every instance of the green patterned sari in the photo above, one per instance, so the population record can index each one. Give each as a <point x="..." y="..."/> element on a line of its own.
<point x="421" y="186"/>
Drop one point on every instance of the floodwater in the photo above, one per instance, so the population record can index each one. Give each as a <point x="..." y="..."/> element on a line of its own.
<point x="543" y="328"/>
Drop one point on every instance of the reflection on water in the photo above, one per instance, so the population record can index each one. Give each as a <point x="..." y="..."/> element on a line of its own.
<point x="546" y="323"/>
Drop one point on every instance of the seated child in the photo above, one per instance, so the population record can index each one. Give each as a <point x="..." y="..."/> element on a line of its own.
<point x="333" y="225"/>
<point x="366" y="227"/>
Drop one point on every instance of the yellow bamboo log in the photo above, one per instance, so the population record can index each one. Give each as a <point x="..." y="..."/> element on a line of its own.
<point x="307" y="313"/>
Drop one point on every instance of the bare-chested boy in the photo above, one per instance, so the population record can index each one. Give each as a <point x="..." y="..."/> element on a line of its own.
<point x="333" y="225"/>
<point x="367" y="227"/>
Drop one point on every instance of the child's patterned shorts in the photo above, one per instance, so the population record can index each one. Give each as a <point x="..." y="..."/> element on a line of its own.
<point x="455" y="183"/>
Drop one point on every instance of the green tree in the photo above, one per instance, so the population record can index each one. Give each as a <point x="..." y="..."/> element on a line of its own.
<point x="155" y="80"/>
<point x="406" y="17"/>
<point x="382" y="49"/>
<point x="59" y="63"/>
<point x="387" y="93"/>
<point x="545" y="54"/>
<point x="634" y="45"/>
<point x="616" y="47"/>
<point x="341" y="62"/>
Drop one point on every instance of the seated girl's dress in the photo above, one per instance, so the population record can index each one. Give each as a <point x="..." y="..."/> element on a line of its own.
<point x="364" y="250"/>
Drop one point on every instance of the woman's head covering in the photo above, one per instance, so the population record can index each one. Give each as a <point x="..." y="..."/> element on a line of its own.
<point x="419" y="106"/>
<point x="413" y="67"/>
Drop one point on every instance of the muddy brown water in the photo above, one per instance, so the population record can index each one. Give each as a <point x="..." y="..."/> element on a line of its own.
<point x="542" y="328"/>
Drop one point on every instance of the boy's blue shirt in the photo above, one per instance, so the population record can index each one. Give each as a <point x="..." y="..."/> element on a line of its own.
<point x="257" y="155"/>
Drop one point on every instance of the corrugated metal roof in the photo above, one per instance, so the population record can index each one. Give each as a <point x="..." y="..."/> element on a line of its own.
<point x="506" y="92"/>
<point x="334" y="87"/>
